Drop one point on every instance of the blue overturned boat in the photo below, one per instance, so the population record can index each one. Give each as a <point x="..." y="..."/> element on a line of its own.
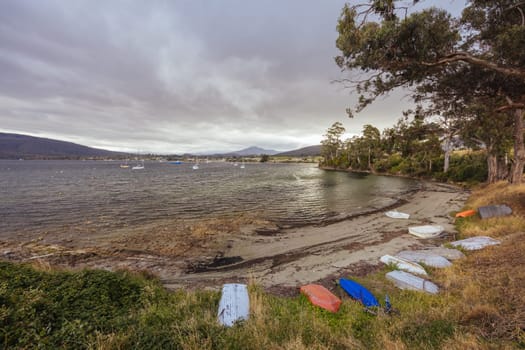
<point x="358" y="292"/>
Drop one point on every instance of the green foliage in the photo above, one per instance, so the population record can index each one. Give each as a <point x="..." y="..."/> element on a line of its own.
<point x="59" y="309"/>
<point x="471" y="167"/>
<point x="99" y="309"/>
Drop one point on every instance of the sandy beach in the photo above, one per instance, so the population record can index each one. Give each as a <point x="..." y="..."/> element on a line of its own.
<point x="278" y="259"/>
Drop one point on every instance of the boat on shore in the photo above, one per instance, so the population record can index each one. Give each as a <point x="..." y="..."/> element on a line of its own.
<point x="403" y="264"/>
<point x="234" y="305"/>
<point x="426" y="231"/>
<point x="424" y="257"/>
<point x="405" y="280"/>
<point x="394" y="214"/>
<point x="358" y="292"/>
<point x="322" y="297"/>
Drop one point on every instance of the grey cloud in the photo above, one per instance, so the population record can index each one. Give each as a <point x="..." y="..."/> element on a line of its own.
<point x="172" y="76"/>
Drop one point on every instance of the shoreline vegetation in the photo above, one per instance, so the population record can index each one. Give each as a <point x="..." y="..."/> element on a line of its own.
<point x="50" y="298"/>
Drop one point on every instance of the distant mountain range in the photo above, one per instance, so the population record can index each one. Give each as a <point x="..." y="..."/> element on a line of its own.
<point x="16" y="146"/>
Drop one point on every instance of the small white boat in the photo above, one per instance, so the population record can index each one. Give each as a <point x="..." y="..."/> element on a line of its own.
<point x="234" y="304"/>
<point x="138" y="166"/>
<point x="424" y="257"/>
<point x="405" y="280"/>
<point x="475" y="243"/>
<point x="394" y="214"/>
<point x="426" y="231"/>
<point x="403" y="264"/>
<point x="195" y="167"/>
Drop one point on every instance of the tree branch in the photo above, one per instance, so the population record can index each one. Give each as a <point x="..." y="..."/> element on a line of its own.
<point x="465" y="57"/>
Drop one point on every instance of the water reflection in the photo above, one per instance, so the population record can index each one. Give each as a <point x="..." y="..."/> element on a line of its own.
<point x="46" y="195"/>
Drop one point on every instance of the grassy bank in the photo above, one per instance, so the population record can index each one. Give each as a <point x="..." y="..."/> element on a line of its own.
<point x="481" y="305"/>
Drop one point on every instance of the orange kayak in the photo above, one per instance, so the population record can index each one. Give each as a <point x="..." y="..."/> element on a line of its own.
<point x="466" y="213"/>
<point x="322" y="297"/>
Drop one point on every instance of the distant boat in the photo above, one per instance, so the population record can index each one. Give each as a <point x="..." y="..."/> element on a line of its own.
<point x="242" y="165"/>
<point x="124" y="166"/>
<point x="139" y="166"/>
<point x="196" y="165"/>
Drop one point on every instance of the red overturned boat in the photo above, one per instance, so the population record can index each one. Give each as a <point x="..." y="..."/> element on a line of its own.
<point x="322" y="297"/>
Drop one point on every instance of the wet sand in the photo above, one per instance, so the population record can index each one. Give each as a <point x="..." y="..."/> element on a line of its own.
<point x="279" y="259"/>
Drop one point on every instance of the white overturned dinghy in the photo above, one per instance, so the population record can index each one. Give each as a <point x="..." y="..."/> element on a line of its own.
<point x="424" y="257"/>
<point x="234" y="304"/>
<point x="405" y="280"/>
<point x="426" y="231"/>
<point x="447" y="253"/>
<point x="403" y="264"/>
<point x="475" y="243"/>
<point x="394" y="214"/>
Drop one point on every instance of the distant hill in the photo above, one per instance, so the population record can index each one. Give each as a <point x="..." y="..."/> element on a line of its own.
<point x="309" y="151"/>
<point x="251" y="151"/>
<point x="16" y="146"/>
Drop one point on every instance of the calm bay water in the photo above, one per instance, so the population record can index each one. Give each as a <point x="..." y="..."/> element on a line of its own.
<point x="40" y="196"/>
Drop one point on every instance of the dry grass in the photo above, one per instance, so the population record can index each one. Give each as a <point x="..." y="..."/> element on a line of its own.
<point x="499" y="193"/>
<point x="488" y="287"/>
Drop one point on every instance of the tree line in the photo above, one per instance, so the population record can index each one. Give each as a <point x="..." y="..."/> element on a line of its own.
<point x="465" y="74"/>
<point x="413" y="147"/>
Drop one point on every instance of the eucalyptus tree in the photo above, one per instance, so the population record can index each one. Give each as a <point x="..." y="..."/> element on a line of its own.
<point x="372" y="142"/>
<point x="394" y="48"/>
<point x="332" y="144"/>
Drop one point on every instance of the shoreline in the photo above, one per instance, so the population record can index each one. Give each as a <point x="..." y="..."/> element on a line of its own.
<point x="280" y="259"/>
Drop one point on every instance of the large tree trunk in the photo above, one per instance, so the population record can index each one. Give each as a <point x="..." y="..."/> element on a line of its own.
<point x="503" y="169"/>
<point x="519" y="149"/>
<point x="492" y="166"/>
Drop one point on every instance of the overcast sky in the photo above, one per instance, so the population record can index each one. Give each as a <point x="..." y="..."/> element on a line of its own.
<point x="177" y="76"/>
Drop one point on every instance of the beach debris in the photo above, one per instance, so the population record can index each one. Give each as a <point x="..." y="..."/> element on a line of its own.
<point x="322" y="297"/>
<point x="475" y="243"/>
<point x="491" y="211"/>
<point x="403" y="264"/>
<point x="405" y="280"/>
<point x="466" y="213"/>
<point x="424" y="257"/>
